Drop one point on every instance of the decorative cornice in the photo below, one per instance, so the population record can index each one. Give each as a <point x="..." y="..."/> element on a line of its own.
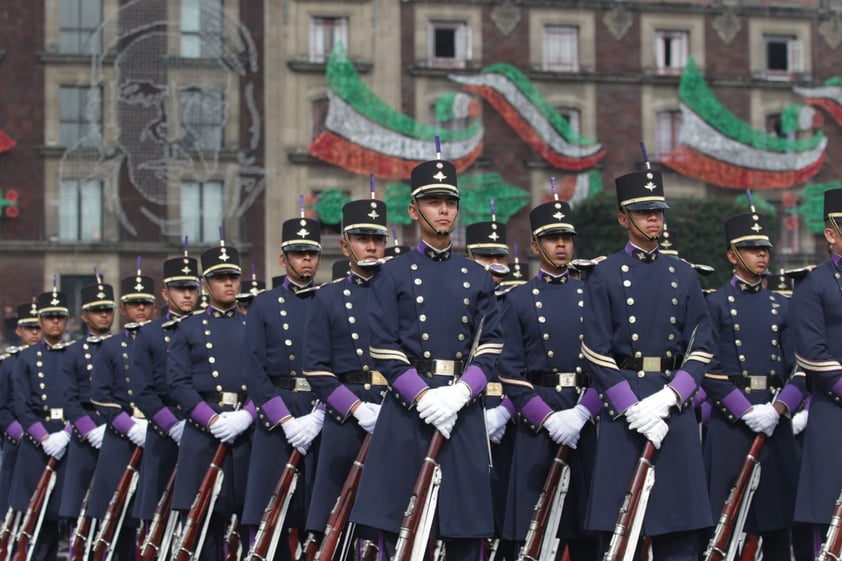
<point x="506" y="16"/>
<point x="727" y="25"/>
<point x="618" y="21"/>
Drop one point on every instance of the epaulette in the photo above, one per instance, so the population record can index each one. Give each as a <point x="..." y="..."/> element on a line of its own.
<point x="175" y="321"/>
<point x="799" y="273"/>
<point x="97" y="338"/>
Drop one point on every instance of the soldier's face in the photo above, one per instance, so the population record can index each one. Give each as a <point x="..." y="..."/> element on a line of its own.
<point x="559" y="248"/>
<point x="181" y="299"/>
<point x="754" y="260"/>
<point x="138" y="311"/>
<point x="52" y="327"/>
<point x="363" y="246"/>
<point x="29" y="334"/>
<point x="98" y="320"/>
<point x="440" y="210"/>
<point x="223" y="290"/>
<point x="300" y="265"/>
<point x="650" y="222"/>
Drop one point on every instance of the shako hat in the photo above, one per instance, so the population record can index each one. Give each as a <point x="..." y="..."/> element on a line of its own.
<point x="221" y="260"/>
<point x="28" y="314"/>
<point x="553" y="217"/>
<point x="138" y="287"/>
<point x="52" y="303"/>
<point x="487" y="237"/>
<point x="97" y="295"/>
<point x="436" y="177"/>
<point x="182" y="271"/>
<point x="642" y="189"/>
<point x="301" y="234"/>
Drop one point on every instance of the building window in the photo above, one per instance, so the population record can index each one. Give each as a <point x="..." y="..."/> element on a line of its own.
<point x="80" y="210"/>
<point x="784" y="56"/>
<point x="774" y="125"/>
<point x="667" y="132"/>
<point x="670" y="51"/>
<point x="450" y="44"/>
<point x="324" y="34"/>
<point x="318" y="114"/>
<point x="201" y="28"/>
<point x="573" y="118"/>
<point x="78" y="22"/>
<point x="201" y="210"/>
<point x="561" y="48"/>
<point x="80" y="115"/>
<point x="202" y="118"/>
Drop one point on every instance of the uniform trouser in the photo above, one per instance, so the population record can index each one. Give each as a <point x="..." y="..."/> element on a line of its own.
<point x="677" y="546"/>
<point x="455" y="549"/>
<point x="46" y="546"/>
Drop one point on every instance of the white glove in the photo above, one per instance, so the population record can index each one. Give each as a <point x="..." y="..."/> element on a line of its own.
<point x="301" y="431"/>
<point x="495" y="423"/>
<point x="564" y="426"/>
<point x="137" y="434"/>
<point x="437" y="405"/>
<point x="799" y="421"/>
<point x="56" y="444"/>
<point x="657" y="433"/>
<point x="95" y="436"/>
<point x="645" y="413"/>
<point x="762" y="418"/>
<point x="445" y="426"/>
<point x="176" y="431"/>
<point x="366" y="415"/>
<point x="230" y="425"/>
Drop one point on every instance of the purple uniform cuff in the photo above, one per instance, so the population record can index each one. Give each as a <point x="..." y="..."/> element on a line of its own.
<point x="202" y="413"/>
<point x="342" y="399"/>
<point x="837" y="387"/>
<point x="68" y="428"/>
<point x="791" y="397"/>
<point x="684" y="385"/>
<point x="590" y="399"/>
<point x="509" y="406"/>
<point x="700" y="397"/>
<point x="123" y="423"/>
<point x="37" y="431"/>
<point x="475" y="378"/>
<point x="535" y="411"/>
<point x="736" y="403"/>
<point x="84" y="424"/>
<point x="251" y="409"/>
<point x="621" y="397"/>
<point x="165" y="419"/>
<point x="409" y="385"/>
<point x="275" y="410"/>
<point x="15" y="430"/>
<point x="706" y="408"/>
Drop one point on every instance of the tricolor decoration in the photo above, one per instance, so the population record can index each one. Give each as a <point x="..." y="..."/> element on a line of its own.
<point x="827" y="97"/>
<point x="719" y="148"/>
<point x="812" y="205"/>
<point x="6" y="142"/>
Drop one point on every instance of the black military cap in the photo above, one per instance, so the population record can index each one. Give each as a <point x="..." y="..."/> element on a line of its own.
<point x="221" y="260"/>
<point x="747" y="229"/>
<point x="436" y="177"/>
<point x="137" y="288"/>
<point x="554" y="217"/>
<point x="518" y="274"/>
<point x="641" y="190"/>
<point x="28" y="314"/>
<point x="780" y="283"/>
<point x="395" y="250"/>
<point x="250" y="289"/>
<point x="668" y="242"/>
<point x="340" y="269"/>
<point x="97" y="296"/>
<point x="181" y="271"/>
<point x="53" y="303"/>
<point x="365" y="216"/>
<point x="486" y="238"/>
<point x="301" y="234"/>
<point x="833" y="204"/>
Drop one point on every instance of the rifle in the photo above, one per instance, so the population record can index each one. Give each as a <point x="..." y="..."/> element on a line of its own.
<point x="832" y="547"/>
<point x="35" y="512"/>
<point x="726" y="538"/>
<point x="161" y="526"/>
<point x="115" y="514"/>
<point x="232" y="539"/>
<point x="80" y="545"/>
<point x="272" y="521"/>
<point x="540" y="539"/>
<point x="630" y="517"/>
<point x="342" y="508"/>
<point x="192" y="537"/>
<point x="9" y="529"/>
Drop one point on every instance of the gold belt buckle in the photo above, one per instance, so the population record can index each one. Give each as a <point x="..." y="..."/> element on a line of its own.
<point x="137" y="413"/>
<point x="758" y="382"/>
<point x="444" y="367"/>
<point x="566" y="379"/>
<point x="651" y="364"/>
<point x="56" y="413"/>
<point x="301" y="385"/>
<point x="494" y="389"/>
<point x="229" y="398"/>
<point x="378" y="379"/>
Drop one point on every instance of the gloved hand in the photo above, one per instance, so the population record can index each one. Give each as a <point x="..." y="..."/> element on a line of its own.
<point x="366" y="415"/>
<point x="230" y="425"/>
<point x="438" y="404"/>
<point x="445" y="426"/>
<point x="55" y="444"/>
<point x="564" y="426"/>
<point x="657" y="432"/>
<point x="762" y="418"/>
<point x="301" y="431"/>
<point x="645" y="413"/>
<point x="799" y="421"/>
<point x="176" y="431"/>
<point x="137" y="434"/>
<point x="495" y="423"/>
<point x="95" y="436"/>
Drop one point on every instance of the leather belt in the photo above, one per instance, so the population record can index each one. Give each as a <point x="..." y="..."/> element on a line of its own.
<point x="648" y="363"/>
<point x="54" y="414"/>
<point x="294" y="383"/>
<point x="224" y="398"/>
<point x="558" y="379"/>
<point x="370" y="378"/>
<point x="757" y="383"/>
<point x="436" y="367"/>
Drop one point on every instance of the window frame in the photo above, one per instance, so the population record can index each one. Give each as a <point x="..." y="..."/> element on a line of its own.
<point x="558" y="31"/>
<point x="86" y="39"/>
<point x="88" y="223"/>
<point x="679" y="40"/>
<point x="203" y="232"/>
<point x="675" y="123"/>
<point x="79" y="120"/>
<point x="794" y="56"/>
<point x="325" y="32"/>
<point x="462" y="48"/>
<point x="198" y="41"/>
<point x="215" y="124"/>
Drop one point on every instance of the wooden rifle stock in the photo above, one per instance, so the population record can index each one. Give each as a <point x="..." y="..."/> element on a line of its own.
<point x="628" y="515"/>
<point x="193" y="525"/>
<point x="116" y="511"/>
<point x="81" y="533"/>
<point x="28" y="534"/>
<point x="338" y="517"/>
<point x="418" y="501"/>
<point x="154" y="537"/>
<point x="727" y="528"/>
<point x="7" y="531"/>
<point x="832" y="547"/>
<point x="271" y="521"/>
<point x="541" y="513"/>
<point x="232" y="539"/>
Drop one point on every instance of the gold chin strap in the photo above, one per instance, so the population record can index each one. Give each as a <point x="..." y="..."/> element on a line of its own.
<point x="546" y="256"/>
<point x="627" y="212"/>
<point x="835" y="225"/>
<point x="305" y="278"/>
<point x="739" y="255"/>
<point x="430" y="224"/>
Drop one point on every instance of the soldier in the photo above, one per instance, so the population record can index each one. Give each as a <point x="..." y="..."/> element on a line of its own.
<point x="206" y="378"/>
<point x="114" y="400"/>
<point x="336" y="355"/>
<point x="543" y="372"/>
<point x="39" y="405"/>
<point x="148" y="375"/>
<point x="88" y="425"/>
<point x="427" y="310"/>
<point x="29" y="331"/>
<point x="273" y="366"/>
<point x="250" y="289"/>
<point x="818" y="344"/>
<point x="642" y="312"/>
<point x="745" y="382"/>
